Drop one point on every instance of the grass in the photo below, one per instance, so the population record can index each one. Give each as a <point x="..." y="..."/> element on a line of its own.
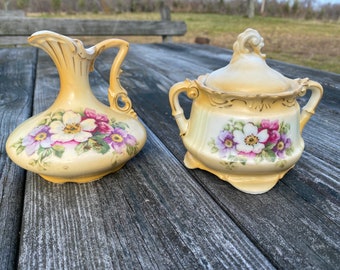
<point x="303" y="42"/>
<point x="308" y="43"/>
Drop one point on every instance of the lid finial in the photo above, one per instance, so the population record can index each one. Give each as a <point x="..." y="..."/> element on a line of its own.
<point x="247" y="42"/>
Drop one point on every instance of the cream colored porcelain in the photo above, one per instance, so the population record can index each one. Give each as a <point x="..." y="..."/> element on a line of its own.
<point x="245" y="124"/>
<point x="78" y="139"/>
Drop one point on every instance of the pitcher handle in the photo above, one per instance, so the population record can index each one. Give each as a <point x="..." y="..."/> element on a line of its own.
<point x="117" y="95"/>
<point x="192" y="92"/>
<point x="309" y="109"/>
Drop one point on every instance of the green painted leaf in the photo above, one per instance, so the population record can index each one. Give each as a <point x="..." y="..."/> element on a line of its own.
<point x="212" y="145"/>
<point x="284" y="128"/>
<point x="18" y="146"/>
<point x="58" y="150"/>
<point x="57" y="116"/>
<point x="281" y="163"/>
<point x="271" y="155"/>
<point x="82" y="148"/>
<point x="269" y="146"/>
<point x="99" y="145"/>
<point x="121" y="125"/>
<point x="44" y="153"/>
<point x="239" y="125"/>
<point x="289" y="151"/>
<point x="131" y="150"/>
<point x="20" y="149"/>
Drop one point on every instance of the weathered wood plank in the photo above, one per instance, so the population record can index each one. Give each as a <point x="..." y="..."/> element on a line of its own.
<point x="151" y="214"/>
<point x="12" y="41"/>
<point x="315" y="129"/>
<point x="12" y="13"/>
<point x="17" y="74"/>
<point x="26" y="26"/>
<point x="297" y="223"/>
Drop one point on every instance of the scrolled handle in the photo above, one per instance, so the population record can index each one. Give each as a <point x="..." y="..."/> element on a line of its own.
<point x="118" y="97"/>
<point x="192" y="92"/>
<point x="309" y="109"/>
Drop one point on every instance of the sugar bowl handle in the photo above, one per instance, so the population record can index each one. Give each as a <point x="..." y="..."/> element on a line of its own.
<point x="192" y="92"/>
<point x="309" y="109"/>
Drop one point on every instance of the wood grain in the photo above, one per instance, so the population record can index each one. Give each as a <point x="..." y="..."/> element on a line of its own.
<point x="151" y="214"/>
<point x="17" y="76"/>
<point x="17" y="26"/>
<point x="296" y="225"/>
<point x="154" y="213"/>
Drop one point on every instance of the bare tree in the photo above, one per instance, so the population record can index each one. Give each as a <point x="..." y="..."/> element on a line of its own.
<point x="250" y="8"/>
<point x="263" y="4"/>
<point x="5" y="4"/>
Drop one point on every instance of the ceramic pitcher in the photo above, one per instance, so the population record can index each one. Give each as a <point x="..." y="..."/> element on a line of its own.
<point x="245" y="123"/>
<point x="78" y="139"/>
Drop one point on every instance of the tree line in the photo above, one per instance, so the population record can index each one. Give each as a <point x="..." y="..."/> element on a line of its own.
<point x="308" y="9"/>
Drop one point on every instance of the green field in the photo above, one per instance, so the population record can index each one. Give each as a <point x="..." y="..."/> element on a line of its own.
<point x="308" y="43"/>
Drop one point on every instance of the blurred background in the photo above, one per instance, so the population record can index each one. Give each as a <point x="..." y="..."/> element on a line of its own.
<point x="308" y="9"/>
<point x="303" y="32"/>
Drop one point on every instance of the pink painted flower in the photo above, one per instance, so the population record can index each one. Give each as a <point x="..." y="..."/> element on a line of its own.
<point x="272" y="128"/>
<point x="89" y="113"/>
<point x="38" y="137"/>
<point x="101" y="121"/>
<point x="103" y="127"/>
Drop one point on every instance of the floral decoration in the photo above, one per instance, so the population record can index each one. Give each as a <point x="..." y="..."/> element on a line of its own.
<point x="80" y="131"/>
<point x="241" y="141"/>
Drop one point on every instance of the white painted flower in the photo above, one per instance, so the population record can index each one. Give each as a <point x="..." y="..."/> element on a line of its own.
<point x="250" y="140"/>
<point x="72" y="127"/>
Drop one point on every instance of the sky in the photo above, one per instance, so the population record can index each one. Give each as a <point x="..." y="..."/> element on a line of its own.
<point x="329" y="1"/>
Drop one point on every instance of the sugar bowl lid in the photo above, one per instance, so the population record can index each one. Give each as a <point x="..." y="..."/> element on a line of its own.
<point x="248" y="71"/>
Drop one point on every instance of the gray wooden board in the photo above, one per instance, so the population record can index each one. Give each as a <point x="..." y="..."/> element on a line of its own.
<point x="296" y="224"/>
<point x="17" y="26"/>
<point x="17" y="74"/>
<point x="151" y="214"/>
